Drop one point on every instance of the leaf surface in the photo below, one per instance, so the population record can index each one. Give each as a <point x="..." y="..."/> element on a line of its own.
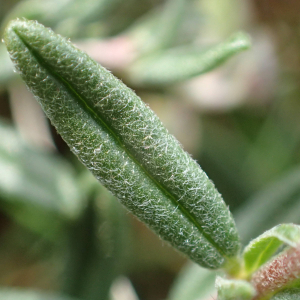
<point x="193" y="283"/>
<point x="261" y="249"/>
<point x="23" y="294"/>
<point x="290" y="294"/>
<point x="123" y="143"/>
<point x="178" y="64"/>
<point x="229" y="289"/>
<point x="38" y="189"/>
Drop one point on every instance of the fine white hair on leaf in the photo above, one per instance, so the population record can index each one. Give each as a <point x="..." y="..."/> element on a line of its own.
<point x="138" y="160"/>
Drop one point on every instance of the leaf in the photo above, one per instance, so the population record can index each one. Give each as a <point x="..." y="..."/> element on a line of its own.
<point x="49" y="12"/>
<point x="193" y="283"/>
<point x="24" y="294"/>
<point x="282" y="271"/>
<point x="270" y="206"/>
<point x="123" y="143"/>
<point x="6" y="67"/>
<point x="229" y="289"/>
<point x="290" y="294"/>
<point x="261" y="249"/>
<point x="158" y="28"/>
<point x="178" y="64"/>
<point x="170" y="20"/>
<point x="37" y="189"/>
<point x="68" y="17"/>
<point x="97" y="245"/>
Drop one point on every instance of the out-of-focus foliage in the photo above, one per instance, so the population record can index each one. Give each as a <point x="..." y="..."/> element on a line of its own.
<point x="193" y="282"/>
<point x="40" y="190"/>
<point x="244" y="131"/>
<point x="12" y="294"/>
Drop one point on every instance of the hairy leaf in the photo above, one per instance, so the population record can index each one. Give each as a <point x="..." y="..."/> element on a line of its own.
<point x="229" y="289"/>
<point x="124" y="144"/>
<point x="178" y="64"/>
<point x="290" y="294"/>
<point x="262" y="248"/>
<point x="281" y="272"/>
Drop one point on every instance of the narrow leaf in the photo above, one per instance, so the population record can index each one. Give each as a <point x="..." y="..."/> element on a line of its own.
<point x="178" y="64"/>
<point x="72" y="17"/>
<point x="124" y="144"/>
<point x="262" y="248"/>
<point x="269" y="206"/>
<point x="234" y="289"/>
<point x="290" y="294"/>
<point x="158" y="29"/>
<point x="38" y="189"/>
<point x="170" y="20"/>
<point x="97" y="245"/>
<point x="6" y="70"/>
<point x="23" y="294"/>
<point x="193" y="283"/>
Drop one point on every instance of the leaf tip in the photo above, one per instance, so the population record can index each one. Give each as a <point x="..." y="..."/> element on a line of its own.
<point x="241" y="40"/>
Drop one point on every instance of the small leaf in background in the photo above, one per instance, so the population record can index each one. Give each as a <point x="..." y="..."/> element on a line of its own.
<point x="97" y="246"/>
<point x="193" y="283"/>
<point x="261" y="249"/>
<point x="6" y="67"/>
<point x="234" y="289"/>
<point x="124" y="144"/>
<point x="276" y="203"/>
<point x="182" y="63"/>
<point x="38" y="189"/>
<point x="73" y="18"/>
<point x="290" y="294"/>
<point x="23" y="294"/>
<point x="167" y="26"/>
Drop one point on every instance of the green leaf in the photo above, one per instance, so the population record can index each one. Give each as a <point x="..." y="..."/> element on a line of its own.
<point x="97" y="247"/>
<point x="178" y="64"/>
<point x="167" y="27"/>
<point x="271" y="206"/>
<point x="193" y="283"/>
<point x="23" y="294"/>
<point x="49" y="12"/>
<point x="158" y="28"/>
<point x="6" y="67"/>
<point x="234" y="289"/>
<point x="68" y="17"/>
<point x="261" y="249"/>
<point x="37" y="189"/>
<point x="290" y="294"/>
<point x="123" y="143"/>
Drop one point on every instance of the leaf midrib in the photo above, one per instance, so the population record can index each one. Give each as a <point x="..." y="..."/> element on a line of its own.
<point x="73" y="91"/>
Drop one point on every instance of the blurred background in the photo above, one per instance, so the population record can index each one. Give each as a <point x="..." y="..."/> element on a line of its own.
<point x="62" y="235"/>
